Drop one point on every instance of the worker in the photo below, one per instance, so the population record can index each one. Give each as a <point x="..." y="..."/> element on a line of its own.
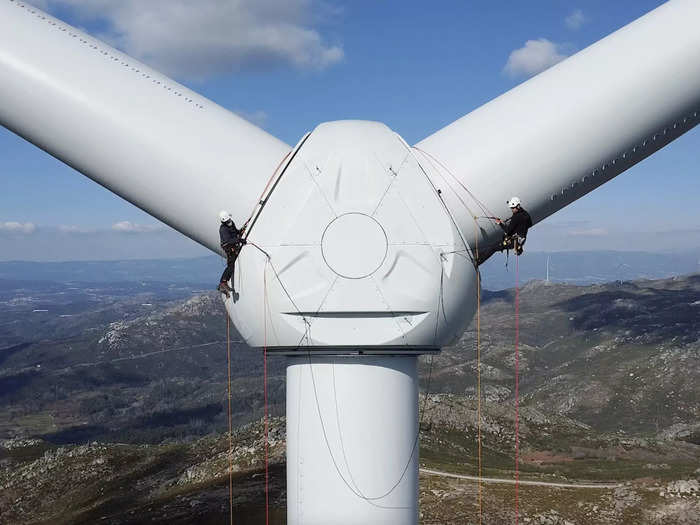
<point x="231" y="242"/>
<point x="515" y="228"/>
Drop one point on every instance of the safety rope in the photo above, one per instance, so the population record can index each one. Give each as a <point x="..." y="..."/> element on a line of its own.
<point x="467" y="249"/>
<point x="306" y="336"/>
<point x="267" y="440"/>
<point x="435" y="162"/>
<point x="357" y="492"/>
<point x="517" y="371"/>
<point x="415" y="443"/>
<point x="261" y="199"/>
<point x="230" y="421"/>
<point x="271" y="184"/>
<point x="475" y="260"/>
<point x="478" y="369"/>
<point x="482" y="206"/>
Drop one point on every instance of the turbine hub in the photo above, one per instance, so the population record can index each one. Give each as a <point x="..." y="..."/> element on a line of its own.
<point x="358" y="251"/>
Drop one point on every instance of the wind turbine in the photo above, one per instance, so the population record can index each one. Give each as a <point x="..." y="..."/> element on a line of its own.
<point x="366" y="249"/>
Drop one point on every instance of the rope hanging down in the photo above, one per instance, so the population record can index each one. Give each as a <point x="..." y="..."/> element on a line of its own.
<point x="267" y="440"/>
<point x="306" y="336"/>
<point x="478" y="369"/>
<point x="517" y="371"/>
<point x="230" y="422"/>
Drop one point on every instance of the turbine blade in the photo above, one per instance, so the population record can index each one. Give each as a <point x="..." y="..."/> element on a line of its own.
<point x="150" y="140"/>
<point x="565" y="132"/>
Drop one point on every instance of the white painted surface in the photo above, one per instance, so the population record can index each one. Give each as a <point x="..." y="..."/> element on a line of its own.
<point x="354" y="245"/>
<point x="166" y="149"/>
<point x="363" y="252"/>
<point x="352" y="454"/>
<point x="575" y="126"/>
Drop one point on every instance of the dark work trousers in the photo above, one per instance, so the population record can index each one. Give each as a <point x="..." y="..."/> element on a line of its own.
<point x="231" y="256"/>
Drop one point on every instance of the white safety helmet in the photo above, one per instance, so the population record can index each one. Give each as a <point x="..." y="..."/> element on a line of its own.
<point x="225" y="216"/>
<point x="514" y="202"/>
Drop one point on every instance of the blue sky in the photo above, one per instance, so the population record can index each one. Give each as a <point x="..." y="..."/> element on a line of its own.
<point x="416" y="66"/>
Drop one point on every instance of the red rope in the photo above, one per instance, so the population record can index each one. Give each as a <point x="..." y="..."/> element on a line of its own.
<point x="230" y="424"/>
<point x="517" y="366"/>
<point x="267" y="471"/>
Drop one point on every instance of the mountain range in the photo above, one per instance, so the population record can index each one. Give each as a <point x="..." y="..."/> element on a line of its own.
<point x="576" y="267"/>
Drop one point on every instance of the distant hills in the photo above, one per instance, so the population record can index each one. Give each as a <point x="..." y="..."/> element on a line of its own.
<point x="200" y="270"/>
<point x="593" y="267"/>
<point x="567" y="267"/>
<point x="144" y="363"/>
<point x="114" y="407"/>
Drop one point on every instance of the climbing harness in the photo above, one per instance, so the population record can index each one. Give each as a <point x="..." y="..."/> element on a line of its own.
<point x="513" y="242"/>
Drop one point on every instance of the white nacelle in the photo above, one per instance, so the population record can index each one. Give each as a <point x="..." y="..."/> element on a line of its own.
<point x="362" y="251"/>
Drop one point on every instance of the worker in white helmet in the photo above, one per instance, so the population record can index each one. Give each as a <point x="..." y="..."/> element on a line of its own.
<point x="231" y="242"/>
<point x="515" y="228"/>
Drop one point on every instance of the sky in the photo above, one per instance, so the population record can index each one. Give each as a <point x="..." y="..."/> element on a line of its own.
<point x="288" y="65"/>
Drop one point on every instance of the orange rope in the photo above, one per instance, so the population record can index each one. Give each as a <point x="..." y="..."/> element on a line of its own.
<point x="478" y="365"/>
<point x="230" y="422"/>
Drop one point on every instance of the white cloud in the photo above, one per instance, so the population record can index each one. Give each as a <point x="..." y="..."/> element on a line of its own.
<point x="130" y="227"/>
<point x="196" y="39"/>
<point x="18" y="227"/>
<point x="534" y="57"/>
<point x="576" y="19"/>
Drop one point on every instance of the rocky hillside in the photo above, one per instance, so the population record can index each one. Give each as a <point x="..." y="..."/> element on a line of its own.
<point x="616" y="357"/>
<point x="608" y="384"/>
<point x="130" y="484"/>
<point x="188" y="482"/>
<point x="134" y="368"/>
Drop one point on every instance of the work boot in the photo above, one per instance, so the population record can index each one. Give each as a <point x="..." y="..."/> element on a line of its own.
<point x="224" y="288"/>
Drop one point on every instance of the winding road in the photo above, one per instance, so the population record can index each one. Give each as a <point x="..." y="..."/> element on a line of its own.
<point x="523" y="482"/>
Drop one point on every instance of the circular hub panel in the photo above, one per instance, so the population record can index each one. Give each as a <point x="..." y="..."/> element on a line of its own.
<point x="354" y="245"/>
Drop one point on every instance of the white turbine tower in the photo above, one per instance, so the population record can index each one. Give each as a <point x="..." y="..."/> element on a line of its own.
<point x="368" y="247"/>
